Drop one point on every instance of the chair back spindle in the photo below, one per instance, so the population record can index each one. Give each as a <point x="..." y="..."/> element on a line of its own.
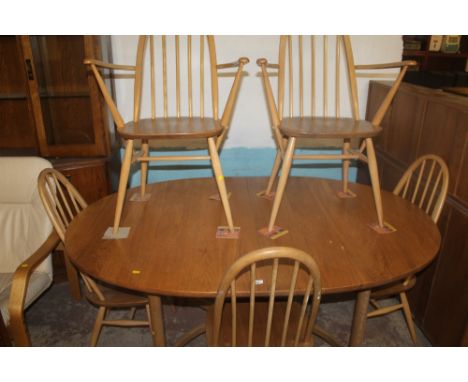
<point x="63" y="203"/>
<point x="286" y="314"/>
<point x="425" y="183"/>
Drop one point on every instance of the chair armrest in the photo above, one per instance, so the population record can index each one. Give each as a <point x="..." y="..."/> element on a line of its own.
<point x="263" y="63"/>
<point x="404" y="65"/>
<point x="102" y="86"/>
<point x="235" y="64"/>
<point x="19" y="288"/>
<point x="108" y="65"/>
<point x="388" y="65"/>
<point x="228" y="108"/>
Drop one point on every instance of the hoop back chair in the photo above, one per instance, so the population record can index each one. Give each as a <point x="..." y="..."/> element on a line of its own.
<point x="302" y="76"/>
<point x="26" y="241"/>
<point x="277" y="312"/>
<point x="177" y="120"/>
<point x="63" y="202"/>
<point x="425" y="184"/>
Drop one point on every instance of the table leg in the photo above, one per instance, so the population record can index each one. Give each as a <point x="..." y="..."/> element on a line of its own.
<point x="359" y="318"/>
<point x="157" y="323"/>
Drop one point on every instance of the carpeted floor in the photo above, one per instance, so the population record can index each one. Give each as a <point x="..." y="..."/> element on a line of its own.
<point x="57" y="320"/>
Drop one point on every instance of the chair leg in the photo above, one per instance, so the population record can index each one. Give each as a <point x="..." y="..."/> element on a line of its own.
<point x="409" y="318"/>
<point x="287" y="161"/>
<point x="218" y="172"/>
<point x="144" y="168"/>
<point x="124" y="173"/>
<point x="374" y="175"/>
<point x="132" y="313"/>
<point x="148" y="314"/>
<point x="98" y="325"/>
<point x="274" y="172"/>
<point x="73" y="278"/>
<point x="345" y="168"/>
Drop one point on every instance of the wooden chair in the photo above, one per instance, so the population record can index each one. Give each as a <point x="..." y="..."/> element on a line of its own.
<point x="26" y="242"/>
<point x="300" y="75"/>
<point x="174" y="121"/>
<point x="425" y="183"/>
<point x="63" y="202"/>
<point x="276" y="312"/>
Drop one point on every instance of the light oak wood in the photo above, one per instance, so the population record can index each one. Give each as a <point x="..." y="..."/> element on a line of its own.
<point x="171" y="127"/>
<point x="289" y="320"/>
<point x="178" y="256"/>
<point x="299" y="124"/>
<point x="63" y="203"/>
<point x="425" y="184"/>
<point x="17" y="327"/>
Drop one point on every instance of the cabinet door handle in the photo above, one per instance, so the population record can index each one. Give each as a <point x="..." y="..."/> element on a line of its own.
<point x="29" y="70"/>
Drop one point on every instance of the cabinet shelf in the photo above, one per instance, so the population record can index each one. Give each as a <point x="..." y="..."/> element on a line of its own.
<point x="13" y="96"/>
<point x="423" y="53"/>
<point x="44" y="94"/>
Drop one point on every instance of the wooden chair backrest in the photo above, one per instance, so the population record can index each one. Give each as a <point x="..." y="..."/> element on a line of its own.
<point x="62" y="203"/>
<point x="316" y="67"/>
<point x="278" y="280"/>
<point x="425" y="183"/>
<point x="181" y="69"/>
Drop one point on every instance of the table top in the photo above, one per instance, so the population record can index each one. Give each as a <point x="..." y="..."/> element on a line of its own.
<point x="172" y="250"/>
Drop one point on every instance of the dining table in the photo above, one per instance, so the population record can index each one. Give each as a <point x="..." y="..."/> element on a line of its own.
<point x="172" y="249"/>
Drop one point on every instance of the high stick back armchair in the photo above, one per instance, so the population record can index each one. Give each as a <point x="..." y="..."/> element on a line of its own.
<point x="174" y="61"/>
<point x="281" y="308"/>
<point x="312" y="100"/>
<point x="62" y="203"/>
<point x="425" y="184"/>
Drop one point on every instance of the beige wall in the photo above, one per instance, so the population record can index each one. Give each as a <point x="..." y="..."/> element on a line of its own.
<point x="250" y="125"/>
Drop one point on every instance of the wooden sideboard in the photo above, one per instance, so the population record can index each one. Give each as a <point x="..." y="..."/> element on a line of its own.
<point x="422" y="121"/>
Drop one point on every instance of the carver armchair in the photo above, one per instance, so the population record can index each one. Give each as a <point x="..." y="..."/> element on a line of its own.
<point x="183" y="70"/>
<point x="316" y="107"/>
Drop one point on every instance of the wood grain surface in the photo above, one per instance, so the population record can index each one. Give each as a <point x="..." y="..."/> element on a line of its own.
<point x="172" y="249"/>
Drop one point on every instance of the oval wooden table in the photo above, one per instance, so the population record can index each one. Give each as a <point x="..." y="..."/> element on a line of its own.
<point x="171" y="249"/>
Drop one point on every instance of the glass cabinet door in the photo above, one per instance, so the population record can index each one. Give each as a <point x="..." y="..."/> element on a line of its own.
<point x="17" y="129"/>
<point x="67" y="108"/>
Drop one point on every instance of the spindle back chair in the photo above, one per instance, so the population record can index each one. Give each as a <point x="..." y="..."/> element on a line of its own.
<point x="322" y="70"/>
<point x="288" y="281"/>
<point x="425" y="184"/>
<point x="171" y="64"/>
<point x="63" y="203"/>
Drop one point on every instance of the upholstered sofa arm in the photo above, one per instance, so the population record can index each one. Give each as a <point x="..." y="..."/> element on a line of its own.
<point x="19" y="288"/>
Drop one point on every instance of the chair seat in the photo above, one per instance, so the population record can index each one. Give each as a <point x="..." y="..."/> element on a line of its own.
<point x="117" y="298"/>
<point x="171" y="128"/>
<point x="394" y="288"/>
<point x="325" y="127"/>
<point x="260" y="321"/>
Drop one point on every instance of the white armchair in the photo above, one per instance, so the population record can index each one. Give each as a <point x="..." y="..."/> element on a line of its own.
<point x="26" y="240"/>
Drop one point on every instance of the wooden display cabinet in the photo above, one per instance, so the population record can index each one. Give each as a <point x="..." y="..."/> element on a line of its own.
<point x="50" y="105"/>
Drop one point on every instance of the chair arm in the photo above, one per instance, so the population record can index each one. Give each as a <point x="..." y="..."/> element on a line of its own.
<point x="388" y="65"/>
<point x="404" y="65"/>
<point x="235" y="64"/>
<point x="228" y="108"/>
<point x="102" y="86"/>
<point x="263" y="63"/>
<point x="19" y="289"/>
<point x="108" y="65"/>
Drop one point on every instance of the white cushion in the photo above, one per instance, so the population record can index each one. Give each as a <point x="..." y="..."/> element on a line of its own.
<point x="24" y="223"/>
